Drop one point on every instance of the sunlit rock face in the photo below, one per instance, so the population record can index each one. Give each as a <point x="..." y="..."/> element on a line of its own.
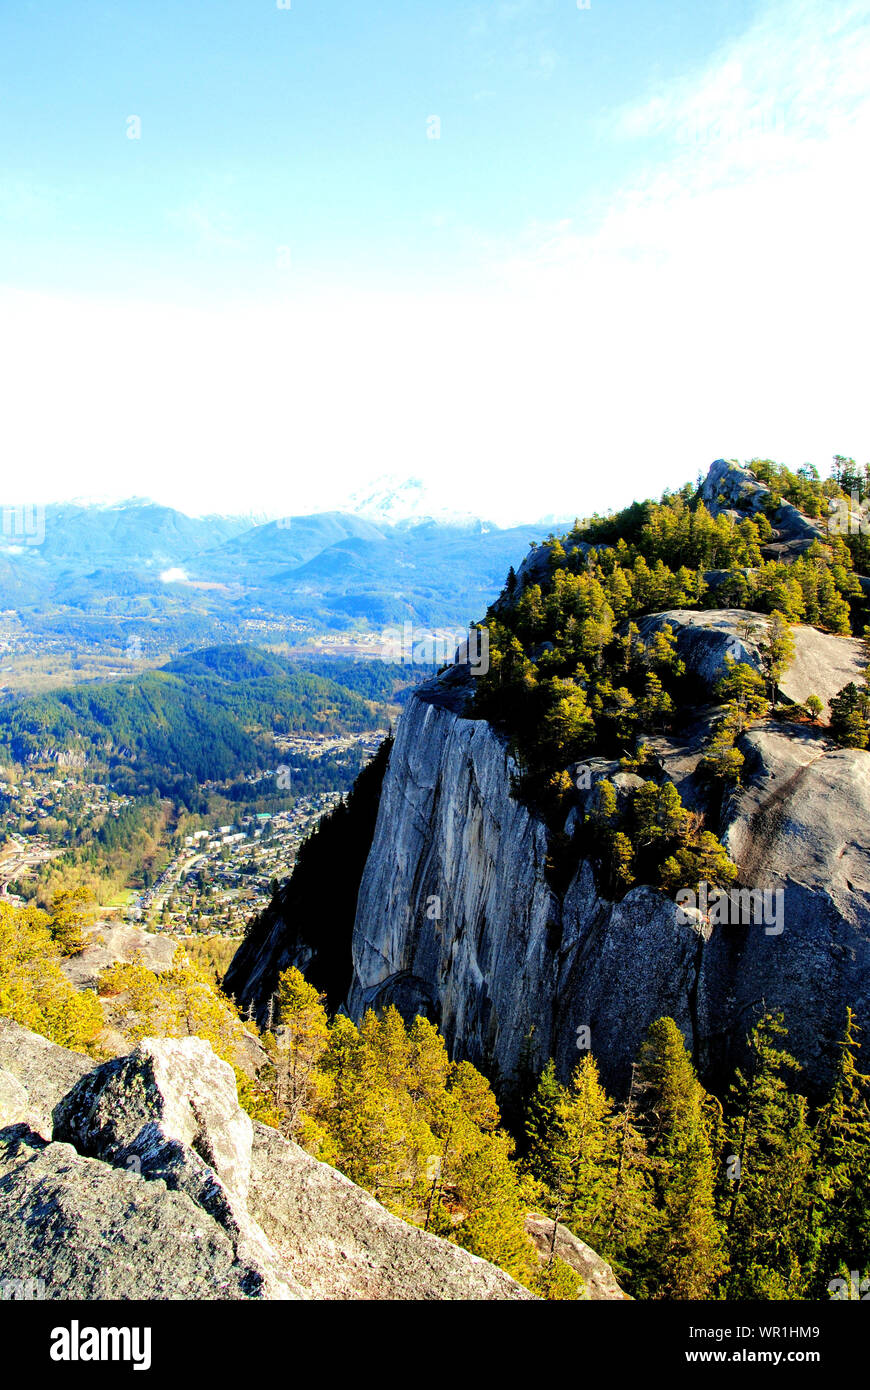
<point x="456" y="917"/>
<point x="150" y="1182"/>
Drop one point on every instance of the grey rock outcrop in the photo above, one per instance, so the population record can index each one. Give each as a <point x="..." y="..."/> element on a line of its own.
<point x="170" y="1112"/>
<point x="801" y="824"/>
<point x="170" y="1094"/>
<point x="823" y="662"/>
<point x="87" y="1230"/>
<point x="347" y="1244"/>
<point x="456" y="917"/>
<point x="729" y="487"/>
<point x="157" y="1185"/>
<point x="112" y="943"/>
<point x="45" y="1070"/>
<point x="599" y="1280"/>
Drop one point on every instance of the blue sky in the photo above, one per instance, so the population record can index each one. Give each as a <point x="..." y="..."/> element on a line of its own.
<point x="636" y="244"/>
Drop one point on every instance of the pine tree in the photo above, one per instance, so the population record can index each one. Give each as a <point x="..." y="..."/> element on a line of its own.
<point x="540" y="1124"/>
<point x="841" y="1185"/>
<point x="774" y="1148"/>
<point x="629" y="1212"/>
<point x="300" y="1041"/>
<point x="743" y="689"/>
<point x="684" y="1254"/>
<point x="777" y="648"/>
<point x="487" y="1188"/>
<point x="582" y="1158"/>
<point x="850" y="716"/>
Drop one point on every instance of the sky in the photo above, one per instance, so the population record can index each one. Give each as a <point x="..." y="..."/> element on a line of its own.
<point x="256" y="257"/>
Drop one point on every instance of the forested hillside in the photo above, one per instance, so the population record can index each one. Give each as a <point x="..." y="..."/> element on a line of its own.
<point x="571" y="676"/>
<point x="205" y="717"/>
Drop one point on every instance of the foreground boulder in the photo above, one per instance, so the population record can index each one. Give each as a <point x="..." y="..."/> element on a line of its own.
<point x="170" y="1112"/>
<point x="87" y="1230"/>
<point x="157" y="1185"/>
<point x="44" y="1070"/>
<point x="598" y="1278"/>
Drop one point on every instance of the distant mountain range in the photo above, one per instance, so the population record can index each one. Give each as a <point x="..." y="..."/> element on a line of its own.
<point x="333" y="570"/>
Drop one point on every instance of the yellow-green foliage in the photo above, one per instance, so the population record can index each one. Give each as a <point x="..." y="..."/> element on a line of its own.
<point x="557" y="1280"/>
<point x="34" y="990"/>
<point x="181" y="1003"/>
<point x="212" y="954"/>
<point x="68" y="914"/>
<point x="384" y="1103"/>
<point x="654" y="839"/>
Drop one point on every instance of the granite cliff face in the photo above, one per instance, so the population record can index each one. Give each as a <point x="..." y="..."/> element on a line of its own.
<point x="456" y="917"/>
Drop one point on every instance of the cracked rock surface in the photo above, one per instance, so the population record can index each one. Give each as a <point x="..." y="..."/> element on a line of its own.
<point x="149" y="1181"/>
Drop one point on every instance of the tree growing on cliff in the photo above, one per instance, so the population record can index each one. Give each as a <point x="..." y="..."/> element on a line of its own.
<point x="741" y="688"/>
<point x="590" y="1159"/>
<point x="850" y="716"/>
<point x="777" y="649"/>
<point x="630" y="1211"/>
<point x="582" y="1156"/>
<point x="296" y="1048"/>
<point x="540" y="1123"/>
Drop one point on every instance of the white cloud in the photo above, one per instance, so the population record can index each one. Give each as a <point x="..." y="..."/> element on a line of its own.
<point x="719" y="307"/>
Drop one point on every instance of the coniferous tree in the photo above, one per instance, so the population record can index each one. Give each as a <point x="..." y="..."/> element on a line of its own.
<point x="577" y="1158"/>
<point x="540" y="1123"/>
<point x="630" y="1211"/>
<point x="684" y="1253"/>
<point x="773" y="1148"/>
<point x="841" y="1181"/>
<point x="850" y="716"/>
<point x="297" y="1048"/>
